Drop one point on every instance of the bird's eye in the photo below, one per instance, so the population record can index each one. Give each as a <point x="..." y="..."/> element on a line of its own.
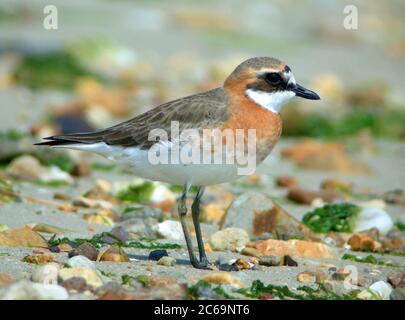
<point x="273" y="78"/>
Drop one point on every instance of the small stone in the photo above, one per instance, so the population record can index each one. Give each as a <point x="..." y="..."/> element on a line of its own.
<point x="81" y="261"/>
<point x="115" y="254"/>
<point x="382" y="288"/>
<point x="38" y="259"/>
<point x="24" y="290"/>
<point x="222" y="278"/>
<point x="77" y="284"/>
<point x="61" y="196"/>
<point x="89" y="275"/>
<point x="290" y="262"/>
<point x="92" y="203"/>
<point x="340" y="275"/>
<point x="398" y="294"/>
<point x="156" y="255"/>
<point x="259" y="214"/>
<point x="114" y="291"/>
<point x="336" y="185"/>
<point x="21" y="237"/>
<point x="397" y="278"/>
<point x="293" y="248"/>
<point x="47" y="274"/>
<point x="81" y="169"/>
<point x="232" y="239"/>
<point x="169" y="229"/>
<point x="305" y="277"/>
<point x="363" y="242"/>
<point x="85" y="249"/>
<point x="307" y="197"/>
<point x="286" y="182"/>
<point x="242" y="264"/>
<point x="117" y="234"/>
<point x="26" y="167"/>
<point x="167" y="261"/>
<point x="6" y="279"/>
<point x="251" y="252"/>
<point x="271" y="261"/>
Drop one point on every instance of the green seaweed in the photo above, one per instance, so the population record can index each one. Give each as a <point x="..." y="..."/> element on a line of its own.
<point x="11" y="134"/>
<point x="102" y="166"/>
<point x="7" y="193"/>
<point x="400" y="225"/>
<point x="143" y="279"/>
<point x="257" y="289"/>
<point x="97" y="241"/>
<point x="57" y="69"/>
<point x="51" y="183"/>
<point x="339" y="217"/>
<point x="137" y="193"/>
<point x="64" y="162"/>
<point x="368" y="259"/>
<point x="194" y="290"/>
<point x="381" y="123"/>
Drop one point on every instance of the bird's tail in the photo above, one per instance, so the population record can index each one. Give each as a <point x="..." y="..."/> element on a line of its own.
<point x="72" y="139"/>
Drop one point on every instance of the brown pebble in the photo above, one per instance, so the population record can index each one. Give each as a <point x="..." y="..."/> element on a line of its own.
<point x="363" y="242"/>
<point x="305" y="277"/>
<point x="303" y="196"/>
<point x="286" y="182"/>
<point x="242" y="264"/>
<point x="85" y="249"/>
<point x="115" y="254"/>
<point x="61" y="196"/>
<point x="81" y="169"/>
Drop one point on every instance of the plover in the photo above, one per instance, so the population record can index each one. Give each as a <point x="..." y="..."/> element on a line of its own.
<point x="250" y="98"/>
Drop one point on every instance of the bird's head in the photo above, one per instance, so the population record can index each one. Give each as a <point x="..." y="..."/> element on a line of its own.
<point x="268" y="82"/>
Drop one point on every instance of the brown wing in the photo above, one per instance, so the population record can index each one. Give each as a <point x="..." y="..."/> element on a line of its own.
<point x="204" y="110"/>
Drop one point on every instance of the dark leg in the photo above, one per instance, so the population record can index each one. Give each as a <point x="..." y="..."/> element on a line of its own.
<point x="182" y="208"/>
<point x="195" y="210"/>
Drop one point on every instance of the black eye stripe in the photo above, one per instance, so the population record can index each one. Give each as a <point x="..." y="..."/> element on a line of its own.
<point x="273" y="78"/>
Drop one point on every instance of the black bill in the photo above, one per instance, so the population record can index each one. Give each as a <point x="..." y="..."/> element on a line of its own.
<point x="302" y="92"/>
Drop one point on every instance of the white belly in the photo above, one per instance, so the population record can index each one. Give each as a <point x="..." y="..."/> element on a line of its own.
<point x="138" y="162"/>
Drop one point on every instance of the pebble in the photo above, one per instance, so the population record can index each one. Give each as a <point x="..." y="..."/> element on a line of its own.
<point x="305" y="277"/>
<point x="398" y="293"/>
<point x="81" y="261"/>
<point x="286" y="182"/>
<point x="89" y="275"/>
<point x="271" y="261"/>
<point x="114" y="291"/>
<point x="232" y="239"/>
<point x="76" y="284"/>
<point x="251" y="252"/>
<point x="380" y="288"/>
<point x="167" y="261"/>
<point x="156" y="255"/>
<point x="25" y="290"/>
<point x="85" y="249"/>
<point x="118" y="233"/>
<point x="288" y="261"/>
<point x="46" y="274"/>
<point x="222" y="278"/>
<point x="115" y="254"/>
<point x="363" y="242"/>
<point x="397" y="278"/>
<point x="242" y="264"/>
<point x="6" y="279"/>
<point x="169" y="229"/>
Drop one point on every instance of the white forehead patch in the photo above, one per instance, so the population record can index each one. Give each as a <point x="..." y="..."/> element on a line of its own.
<point x="289" y="75"/>
<point x="272" y="101"/>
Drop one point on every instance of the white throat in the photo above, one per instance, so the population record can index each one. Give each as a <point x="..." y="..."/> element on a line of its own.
<point x="271" y="101"/>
